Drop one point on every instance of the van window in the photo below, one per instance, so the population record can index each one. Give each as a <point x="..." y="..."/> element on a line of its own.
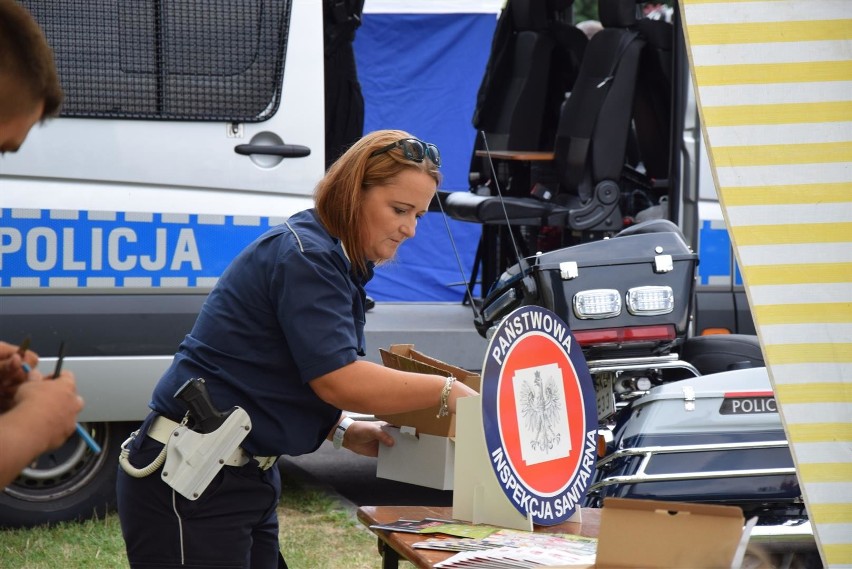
<point x="155" y="59"/>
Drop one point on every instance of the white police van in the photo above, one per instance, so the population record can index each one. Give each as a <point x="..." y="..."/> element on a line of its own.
<point x="188" y="129"/>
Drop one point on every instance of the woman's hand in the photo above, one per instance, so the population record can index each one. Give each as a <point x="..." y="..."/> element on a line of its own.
<point x="364" y="437"/>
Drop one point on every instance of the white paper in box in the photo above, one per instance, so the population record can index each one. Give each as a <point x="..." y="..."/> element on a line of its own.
<point x="424" y="460"/>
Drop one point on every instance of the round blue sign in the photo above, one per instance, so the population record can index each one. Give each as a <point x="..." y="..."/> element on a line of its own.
<point x="539" y="415"/>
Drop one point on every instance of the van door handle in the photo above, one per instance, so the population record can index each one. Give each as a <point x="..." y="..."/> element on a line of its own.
<point x="283" y="150"/>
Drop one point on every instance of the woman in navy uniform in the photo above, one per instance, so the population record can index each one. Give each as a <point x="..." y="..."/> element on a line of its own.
<point x="279" y="336"/>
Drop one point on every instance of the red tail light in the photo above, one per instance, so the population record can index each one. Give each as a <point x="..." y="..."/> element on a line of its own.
<point x="660" y="333"/>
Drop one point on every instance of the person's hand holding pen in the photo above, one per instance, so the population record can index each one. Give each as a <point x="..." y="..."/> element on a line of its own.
<point x="48" y="406"/>
<point x="51" y="407"/>
<point x="84" y="434"/>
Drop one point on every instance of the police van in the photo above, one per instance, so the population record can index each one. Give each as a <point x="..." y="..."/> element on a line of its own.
<point x="188" y="129"/>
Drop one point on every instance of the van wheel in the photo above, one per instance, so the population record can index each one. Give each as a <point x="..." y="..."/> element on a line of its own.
<point x="69" y="483"/>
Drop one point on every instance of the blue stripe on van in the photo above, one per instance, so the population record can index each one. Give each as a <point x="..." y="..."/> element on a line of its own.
<point x="71" y="249"/>
<point x="714" y="254"/>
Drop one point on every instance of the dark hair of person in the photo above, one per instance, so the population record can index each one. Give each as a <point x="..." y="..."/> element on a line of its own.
<point x="27" y="70"/>
<point x="340" y="194"/>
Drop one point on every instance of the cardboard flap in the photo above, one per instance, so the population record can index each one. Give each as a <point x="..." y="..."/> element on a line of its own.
<point x="405" y="358"/>
<point x="674" y="507"/>
<point x="658" y="534"/>
<point x="397" y="354"/>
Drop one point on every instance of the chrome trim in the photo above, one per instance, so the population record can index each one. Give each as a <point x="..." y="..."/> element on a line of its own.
<point x="669" y="361"/>
<point x="793" y="532"/>
<point x="649" y="452"/>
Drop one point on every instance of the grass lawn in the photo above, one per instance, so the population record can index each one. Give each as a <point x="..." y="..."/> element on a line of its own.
<point x="317" y="532"/>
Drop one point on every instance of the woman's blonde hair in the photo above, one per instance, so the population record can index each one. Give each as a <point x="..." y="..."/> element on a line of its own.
<point x="339" y="195"/>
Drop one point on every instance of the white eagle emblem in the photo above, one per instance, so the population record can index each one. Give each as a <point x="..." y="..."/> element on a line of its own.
<point x="540" y="407"/>
<point x="542" y="413"/>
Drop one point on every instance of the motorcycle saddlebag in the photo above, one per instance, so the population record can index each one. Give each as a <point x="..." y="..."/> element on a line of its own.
<point x="714" y="439"/>
<point x="621" y="265"/>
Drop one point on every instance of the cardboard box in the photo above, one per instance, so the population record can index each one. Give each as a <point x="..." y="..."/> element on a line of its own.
<point x="424" y="453"/>
<point x="404" y="357"/>
<point x="661" y="535"/>
<point x="421" y="459"/>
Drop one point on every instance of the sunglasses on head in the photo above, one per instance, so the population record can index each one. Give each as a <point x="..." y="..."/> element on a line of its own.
<point x="414" y="150"/>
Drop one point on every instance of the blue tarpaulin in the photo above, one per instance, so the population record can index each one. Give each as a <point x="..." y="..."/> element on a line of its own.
<point x="420" y="72"/>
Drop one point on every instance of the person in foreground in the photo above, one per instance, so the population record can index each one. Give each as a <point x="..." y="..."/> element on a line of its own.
<point x="279" y="337"/>
<point x="35" y="415"/>
<point x="29" y="85"/>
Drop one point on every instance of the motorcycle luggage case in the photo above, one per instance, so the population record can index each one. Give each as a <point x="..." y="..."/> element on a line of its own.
<point x="621" y="263"/>
<point x="714" y="438"/>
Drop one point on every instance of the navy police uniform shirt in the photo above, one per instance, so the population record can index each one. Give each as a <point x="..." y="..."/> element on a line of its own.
<point x="287" y="310"/>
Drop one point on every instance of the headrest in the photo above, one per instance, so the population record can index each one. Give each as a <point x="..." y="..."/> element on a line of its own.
<point x="529" y="15"/>
<point x="617" y="13"/>
<point x="652" y="226"/>
<point x="559" y="5"/>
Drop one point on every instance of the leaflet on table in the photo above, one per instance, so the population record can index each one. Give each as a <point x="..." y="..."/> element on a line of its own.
<point x="515" y="557"/>
<point x="412" y="526"/>
<point x="435" y="525"/>
<point x="514" y="538"/>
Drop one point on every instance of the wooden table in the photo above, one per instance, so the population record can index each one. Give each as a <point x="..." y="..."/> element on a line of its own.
<point x="394" y="546"/>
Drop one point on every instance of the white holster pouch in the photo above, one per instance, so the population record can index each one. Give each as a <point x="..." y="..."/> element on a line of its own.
<point x="193" y="459"/>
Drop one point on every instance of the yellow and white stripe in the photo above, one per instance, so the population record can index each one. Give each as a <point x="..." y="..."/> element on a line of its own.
<point x="774" y="84"/>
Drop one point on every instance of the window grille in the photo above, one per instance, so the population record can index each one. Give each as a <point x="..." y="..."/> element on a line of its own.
<point x="211" y="60"/>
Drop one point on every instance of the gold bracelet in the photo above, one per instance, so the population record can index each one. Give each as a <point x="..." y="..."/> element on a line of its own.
<point x="444" y="409"/>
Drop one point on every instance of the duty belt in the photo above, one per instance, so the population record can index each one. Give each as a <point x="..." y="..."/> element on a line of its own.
<point x="163" y="427"/>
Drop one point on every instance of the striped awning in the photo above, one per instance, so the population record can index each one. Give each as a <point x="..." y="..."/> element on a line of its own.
<point x="774" y="84"/>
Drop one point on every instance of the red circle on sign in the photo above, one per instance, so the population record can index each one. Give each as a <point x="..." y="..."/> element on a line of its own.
<point x="552" y="476"/>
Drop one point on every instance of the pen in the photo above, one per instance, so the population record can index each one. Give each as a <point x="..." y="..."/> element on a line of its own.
<point x="60" y="356"/>
<point x="22" y="351"/>
<point x="96" y="448"/>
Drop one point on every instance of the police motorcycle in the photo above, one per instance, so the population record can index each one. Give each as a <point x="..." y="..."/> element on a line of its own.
<point x="579" y="223"/>
<point x="681" y="418"/>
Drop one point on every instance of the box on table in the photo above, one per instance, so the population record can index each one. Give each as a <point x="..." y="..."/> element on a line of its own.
<point x="425" y="421"/>
<point x="421" y="459"/>
<point x="667" y="535"/>
<point x="424" y="450"/>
